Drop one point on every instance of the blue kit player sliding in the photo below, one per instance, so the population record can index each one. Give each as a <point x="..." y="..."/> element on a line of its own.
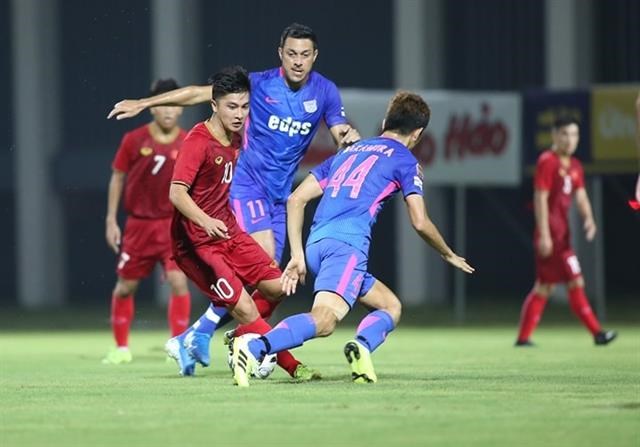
<point x="354" y="185"/>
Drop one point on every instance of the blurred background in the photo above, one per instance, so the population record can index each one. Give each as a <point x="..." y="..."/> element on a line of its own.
<point x="506" y="64"/>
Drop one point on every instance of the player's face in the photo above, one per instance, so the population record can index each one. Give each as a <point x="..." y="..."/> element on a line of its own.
<point x="297" y="56"/>
<point x="565" y="139"/>
<point x="166" y="116"/>
<point x="232" y="110"/>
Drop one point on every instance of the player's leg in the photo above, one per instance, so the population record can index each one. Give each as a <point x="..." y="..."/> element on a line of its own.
<point x="372" y="331"/>
<point x="531" y="311"/>
<point x="339" y="273"/>
<point x="582" y="309"/>
<point x="179" y="307"/>
<point x="252" y="210"/>
<point x="293" y="331"/>
<point x="122" y="312"/>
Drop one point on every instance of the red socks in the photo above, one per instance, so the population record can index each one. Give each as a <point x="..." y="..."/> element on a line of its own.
<point x="265" y="307"/>
<point x="530" y="315"/>
<point x="178" y="313"/>
<point x="580" y="306"/>
<point x="285" y="359"/>
<point x="121" y="318"/>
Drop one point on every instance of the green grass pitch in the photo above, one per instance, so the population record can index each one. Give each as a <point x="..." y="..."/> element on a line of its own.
<point x="437" y="386"/>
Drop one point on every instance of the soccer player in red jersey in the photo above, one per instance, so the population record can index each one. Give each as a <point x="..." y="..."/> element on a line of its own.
<point x="558" y="177"/>
<point x="208" y="244"/>
<point x="145" y="158"/>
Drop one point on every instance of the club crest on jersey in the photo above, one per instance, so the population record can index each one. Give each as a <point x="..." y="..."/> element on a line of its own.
<point x="310" y="106"/>
<point x="146" y="151"/>
<point x="219" y="159"/>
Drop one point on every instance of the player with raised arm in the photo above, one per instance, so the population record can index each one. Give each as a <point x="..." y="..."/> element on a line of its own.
<point x="287" y="106"/>
<point x="354" y="185"/>
<point x="209" y="246"/>
<point x="558" y="177"/>
<point x="142" y="168"/>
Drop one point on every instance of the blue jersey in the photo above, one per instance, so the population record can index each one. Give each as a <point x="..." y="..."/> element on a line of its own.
<point x="281" y="125"/>
<point x="356" y="183"/>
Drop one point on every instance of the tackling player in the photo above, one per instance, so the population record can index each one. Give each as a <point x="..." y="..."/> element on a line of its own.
<point x="354" y="185"/>
<point x="145" y="158"/>
<point x="209" y="246"/>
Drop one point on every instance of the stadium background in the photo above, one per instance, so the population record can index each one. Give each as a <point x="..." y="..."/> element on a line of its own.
<point x="64" y="64"/>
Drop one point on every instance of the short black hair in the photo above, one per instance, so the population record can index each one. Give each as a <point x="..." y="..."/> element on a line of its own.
<point x="163" y="86"/>
<point x="298" y="31"/>
<point x="233" y="79"/>
<point x="406" y="112"/>
<point x="563" y="121"/>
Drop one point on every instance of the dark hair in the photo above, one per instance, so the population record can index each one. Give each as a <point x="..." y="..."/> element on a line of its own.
<point x="406" y="113"/>
<point x="298" y="31"/>
<point x="563" y="121"/>
<point x="234" y="79"/>
<point x="162" y="86"/>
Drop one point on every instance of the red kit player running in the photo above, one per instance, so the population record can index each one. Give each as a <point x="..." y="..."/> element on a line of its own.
<point x="208" y="244"/>
<point x="558" y="177"/>
<point x="146" y="158"/>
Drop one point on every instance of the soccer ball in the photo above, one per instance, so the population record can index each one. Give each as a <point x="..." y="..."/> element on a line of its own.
<point x="263" y="369"/>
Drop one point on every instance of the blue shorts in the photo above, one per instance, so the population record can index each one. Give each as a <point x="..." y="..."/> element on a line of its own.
<point x="339" y="268"/>
<point x="256" y="212"/>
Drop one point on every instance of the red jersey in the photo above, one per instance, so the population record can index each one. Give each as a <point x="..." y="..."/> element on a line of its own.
<point x="561" y="182"/>
<point x="148" y="165"/>
<point x="206" y="166"/>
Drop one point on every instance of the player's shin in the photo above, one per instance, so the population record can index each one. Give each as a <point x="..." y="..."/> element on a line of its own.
<point x="374" y="328"/>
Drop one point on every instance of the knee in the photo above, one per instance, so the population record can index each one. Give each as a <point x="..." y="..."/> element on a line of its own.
<point x="543" y="289"/>
<point x="395" y="310"/>
<point x="125" y="288"/>
<point x="178" y="283"/>
<point x="325" y="320"/>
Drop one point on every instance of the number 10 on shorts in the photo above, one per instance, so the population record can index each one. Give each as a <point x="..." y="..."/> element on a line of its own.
<point x="223" y="289"/>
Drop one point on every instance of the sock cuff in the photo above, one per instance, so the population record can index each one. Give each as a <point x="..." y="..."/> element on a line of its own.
<point x="186" y="296"/>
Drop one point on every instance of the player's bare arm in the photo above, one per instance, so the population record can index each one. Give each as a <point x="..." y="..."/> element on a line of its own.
<point x="113" y="233"/>
<point x="429" y="232"/>
<point x="584" y="208"/>
<point x="296" y="269"/>
<point x="344" y="134"/>
<point x="541" y="210"/>
<point x="185" y="96"/>
<point x="179" y="196"/>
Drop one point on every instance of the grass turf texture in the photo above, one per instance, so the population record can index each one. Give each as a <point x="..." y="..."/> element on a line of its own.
<point x="442" y="386"/>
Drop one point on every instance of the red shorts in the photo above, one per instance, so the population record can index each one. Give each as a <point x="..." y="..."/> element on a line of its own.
<point x="560" y="267"/>
<point x="222" y="270"/>
<point x="145" y="242"/>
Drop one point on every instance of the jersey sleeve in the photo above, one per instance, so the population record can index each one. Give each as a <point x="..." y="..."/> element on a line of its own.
<point x="409" y="175"/>
<point x="125" y="156"/>
<point x="543" y="178"/>
<point x="334" y="110"/>
<point x="321" y="172"/>
<point x="190" y="158"/>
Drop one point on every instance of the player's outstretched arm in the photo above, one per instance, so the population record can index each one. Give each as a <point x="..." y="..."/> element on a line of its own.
<point x="296" y="268"/>
<point x="112" y="230"/>
<point x="430" y="234"/>
<point x="179" y="196"/>
<point x="584" y="208"/>
<point x="185" y="96"/>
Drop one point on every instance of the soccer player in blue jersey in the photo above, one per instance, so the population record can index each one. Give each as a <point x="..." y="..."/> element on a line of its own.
<point x="354" y="185"/>
<point x="287" y="105"/>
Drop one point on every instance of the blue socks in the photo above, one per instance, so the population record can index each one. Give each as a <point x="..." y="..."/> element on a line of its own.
<point x="373" y="329"/>
<point x="214" y="316"/>
<point x="289" y="333"/>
